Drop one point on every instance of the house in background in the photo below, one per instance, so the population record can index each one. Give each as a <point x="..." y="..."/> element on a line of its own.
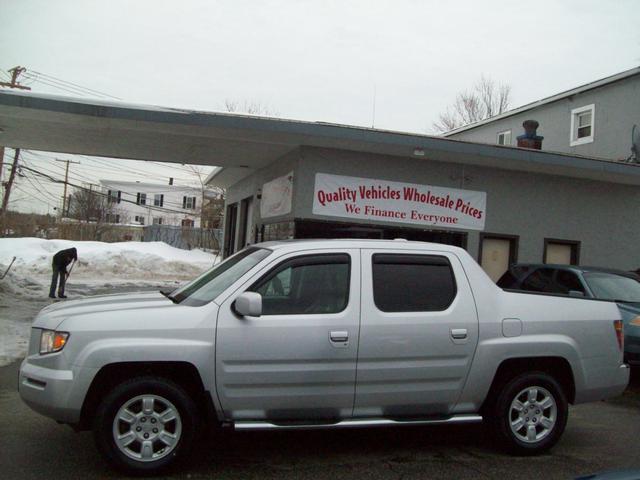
<point x="140" y="203"/>
<point x="594" y="120"/>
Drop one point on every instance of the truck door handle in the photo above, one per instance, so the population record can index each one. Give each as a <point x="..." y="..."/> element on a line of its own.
<point x="459" y="333"/>
<point x="339" y="336"/>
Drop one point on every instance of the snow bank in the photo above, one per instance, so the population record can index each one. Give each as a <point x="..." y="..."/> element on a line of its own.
<point x="101" y="268"/>
<point x="99" y="261"/>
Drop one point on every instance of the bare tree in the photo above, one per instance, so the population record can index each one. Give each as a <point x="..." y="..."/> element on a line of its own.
<point x="95" y="210"/>
<point x="252" y="107"/>
<point x="209" y="210"/>
<point x="486" y="99"/>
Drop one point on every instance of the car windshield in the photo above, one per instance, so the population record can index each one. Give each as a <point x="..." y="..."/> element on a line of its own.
<point x="608" y="286"/>
<point x="213" y="282"/>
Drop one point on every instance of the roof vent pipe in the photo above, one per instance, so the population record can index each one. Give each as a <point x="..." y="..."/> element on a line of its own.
<point x="170" y="180"/>
<point x="530" y="139"/>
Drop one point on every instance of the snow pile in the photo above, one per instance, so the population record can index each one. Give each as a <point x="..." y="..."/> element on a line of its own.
<point x="98" y="261"/>
<point x="101" y="268"/>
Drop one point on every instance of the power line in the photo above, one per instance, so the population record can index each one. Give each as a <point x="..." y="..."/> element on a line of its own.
<point x="133" y="194"/>
<point x="151" y="207"/>
<point x="42" y="190"/>
<point x="29" y="194"/>
<point x="105" y="165"/>
<point x="65" y="89"/>
<point x="77" y="176"/>
<point x="52" y="78"/>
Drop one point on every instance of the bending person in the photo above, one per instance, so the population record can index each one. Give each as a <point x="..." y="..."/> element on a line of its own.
<point x="59" y="264"/>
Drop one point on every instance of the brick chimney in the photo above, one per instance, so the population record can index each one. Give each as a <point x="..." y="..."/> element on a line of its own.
<point x="530" y="139"/>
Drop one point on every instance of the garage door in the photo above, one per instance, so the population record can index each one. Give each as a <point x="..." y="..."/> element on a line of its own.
<point x="496" y="253"/>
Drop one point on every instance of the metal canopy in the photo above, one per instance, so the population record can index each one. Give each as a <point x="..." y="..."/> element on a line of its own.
<point x="244" y="143"/>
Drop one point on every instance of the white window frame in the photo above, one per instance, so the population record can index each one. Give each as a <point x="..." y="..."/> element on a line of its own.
<point x="504" y="132"/>
<point x="573" y="136"/>
<point x="189" y="203"/>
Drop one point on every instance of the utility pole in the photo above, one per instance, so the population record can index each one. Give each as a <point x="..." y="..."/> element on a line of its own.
<point x="15" y="73"/>
<point x="1" y="161"/>
<point x="7" y="190"/>
<point x="66" y="180"/>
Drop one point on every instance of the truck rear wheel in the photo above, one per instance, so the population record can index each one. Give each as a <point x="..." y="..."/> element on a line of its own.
<point x="145" y="424"/>
<point x="530" y="413"/>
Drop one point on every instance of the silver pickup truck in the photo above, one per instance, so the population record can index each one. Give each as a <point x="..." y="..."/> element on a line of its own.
<point x="321" y="334"/>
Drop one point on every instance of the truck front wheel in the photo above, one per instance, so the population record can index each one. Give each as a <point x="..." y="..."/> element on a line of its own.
<point x="530" y="413"/>
<point x="144" y="424"/>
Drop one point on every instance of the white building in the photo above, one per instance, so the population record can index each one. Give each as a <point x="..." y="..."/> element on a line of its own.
<point x="140" y="203"/>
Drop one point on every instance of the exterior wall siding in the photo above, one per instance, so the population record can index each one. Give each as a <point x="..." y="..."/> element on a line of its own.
<point x="602" y="216"/>
<point x="617" y="109"/>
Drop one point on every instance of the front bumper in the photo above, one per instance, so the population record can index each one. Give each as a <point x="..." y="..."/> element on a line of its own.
<point x="55" y="393"/>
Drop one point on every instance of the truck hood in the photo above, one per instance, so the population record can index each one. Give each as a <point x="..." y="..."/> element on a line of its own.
<point x="53" y="315"/>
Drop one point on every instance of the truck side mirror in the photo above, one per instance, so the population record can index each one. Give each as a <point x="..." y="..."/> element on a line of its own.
<point x="248" y="304"/>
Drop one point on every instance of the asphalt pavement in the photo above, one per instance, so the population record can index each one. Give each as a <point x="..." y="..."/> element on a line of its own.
<point x="599" y="436"/>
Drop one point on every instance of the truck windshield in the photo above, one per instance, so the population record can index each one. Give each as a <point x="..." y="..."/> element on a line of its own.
<point x="607" y="286"/>
<point x="213" y="282"/>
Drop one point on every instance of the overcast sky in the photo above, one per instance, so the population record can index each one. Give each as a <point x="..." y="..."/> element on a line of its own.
<point x="316" y="60"/>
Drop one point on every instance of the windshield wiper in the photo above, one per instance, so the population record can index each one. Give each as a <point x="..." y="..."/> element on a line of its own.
<point x="626" y="301"/>
<point x="168" y="295"/>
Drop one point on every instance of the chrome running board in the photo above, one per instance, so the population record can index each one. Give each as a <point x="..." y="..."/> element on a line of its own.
<point x="378" y="422"/>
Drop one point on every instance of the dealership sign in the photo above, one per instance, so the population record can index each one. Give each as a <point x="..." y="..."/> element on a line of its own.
<point x="382" y="200"/>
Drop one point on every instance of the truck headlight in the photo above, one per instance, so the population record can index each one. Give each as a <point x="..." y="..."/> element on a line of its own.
<point x="52" y="341"/>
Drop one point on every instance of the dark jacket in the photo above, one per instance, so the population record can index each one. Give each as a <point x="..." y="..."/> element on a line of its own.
<point x="64" y="258"/>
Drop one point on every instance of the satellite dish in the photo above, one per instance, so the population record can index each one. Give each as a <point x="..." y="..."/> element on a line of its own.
<point x="635" y="145"/>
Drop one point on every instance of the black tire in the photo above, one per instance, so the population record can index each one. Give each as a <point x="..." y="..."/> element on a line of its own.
<point x="161" y="389"/>
<point x="503" y="415"/>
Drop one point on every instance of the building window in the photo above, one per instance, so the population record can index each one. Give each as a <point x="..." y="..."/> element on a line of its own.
<point x="157" y="220"/>
<point x="497" y="252"/>
<point x="158" y="200"/>
<point x="504" y="138"/>
<point x="113" y="218"/>
<point x="562" y="252"/>
<point x="139" y="219"/>
<point x="113" y="196"/>
<point x="187" y="222"/>
<point x="189" y="202"/>
<point x="141" y="198"/>
<point x="582" y="122"/>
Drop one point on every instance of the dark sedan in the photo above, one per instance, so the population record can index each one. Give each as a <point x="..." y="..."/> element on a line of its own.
<point x="591" y="282"/>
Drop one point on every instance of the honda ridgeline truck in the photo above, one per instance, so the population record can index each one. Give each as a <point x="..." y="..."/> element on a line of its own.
<point x="321" y="334"/>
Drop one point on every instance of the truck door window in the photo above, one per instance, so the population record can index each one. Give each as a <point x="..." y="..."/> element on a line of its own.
<point x="310" y="284"/>
<point x="412" y="283"/>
